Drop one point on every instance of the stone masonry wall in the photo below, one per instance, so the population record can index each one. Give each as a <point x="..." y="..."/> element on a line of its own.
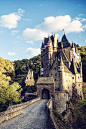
<point x="59" y="101"/>
<point x="40" y="87"/>
<point x="15" y="110"/>
<point x="67" y="82"/>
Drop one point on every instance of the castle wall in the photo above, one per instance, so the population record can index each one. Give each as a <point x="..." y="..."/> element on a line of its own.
<point x="59" y="101"/>
<point x="67" y="82"/>
<point x="57" y="76"/>
<point x="79" y="84"/>
<point x="73" y="78"/>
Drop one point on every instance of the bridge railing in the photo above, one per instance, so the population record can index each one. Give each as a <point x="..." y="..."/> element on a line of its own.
<point x="15" y="110"/>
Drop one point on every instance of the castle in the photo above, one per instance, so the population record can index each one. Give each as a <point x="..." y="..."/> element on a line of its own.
<point x="61" y="69"/>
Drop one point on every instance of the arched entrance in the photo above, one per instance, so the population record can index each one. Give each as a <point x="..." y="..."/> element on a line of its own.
<point x="45" y="94"/>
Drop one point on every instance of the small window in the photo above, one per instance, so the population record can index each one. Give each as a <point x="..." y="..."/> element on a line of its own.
<point x="79" y="84"/>
<point x="55" y="68"/>
<point x="72" y="77"/>
<point x="78" y="77"/>
<point x="55" y="79"/>
<point x="55" y="74"/>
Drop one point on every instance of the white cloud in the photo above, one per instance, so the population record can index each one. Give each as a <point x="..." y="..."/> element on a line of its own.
<point x="33" y="51"/>
<point x="14" y="32"/>
<point x="27" y="19"/>
<point x="83" y="19"/>
<point x="55" y="25"/>
<point x="11" y="54"/>
<point x="34" y="34"/>
<point x="84" y="26"/>
<point x="31" y="42"/>
<point x="11" y="20"/>
<point x="20" y="12"/>
<point x="80" y="15"/>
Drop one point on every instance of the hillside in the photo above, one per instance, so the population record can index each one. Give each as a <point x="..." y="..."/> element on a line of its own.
<point x="82" y="51"/>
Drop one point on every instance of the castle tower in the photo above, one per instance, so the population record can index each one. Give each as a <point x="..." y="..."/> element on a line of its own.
<point x="61" y="70"/>
<point x="50" y="50"/>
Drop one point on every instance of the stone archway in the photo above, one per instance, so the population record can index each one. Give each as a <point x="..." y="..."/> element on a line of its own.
<point x="45" y="94"/>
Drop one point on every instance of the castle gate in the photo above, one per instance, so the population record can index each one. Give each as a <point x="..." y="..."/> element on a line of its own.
<point x="45" y="87"/>
<point x="45" y="94"/>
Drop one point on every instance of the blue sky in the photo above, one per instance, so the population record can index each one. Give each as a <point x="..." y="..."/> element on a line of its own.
<point x="24" y="24"/>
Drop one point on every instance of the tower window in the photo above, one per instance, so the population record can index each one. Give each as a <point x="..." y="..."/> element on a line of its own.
<point x="55" y="74"/>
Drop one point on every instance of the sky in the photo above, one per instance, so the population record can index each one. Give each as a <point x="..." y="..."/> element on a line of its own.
<point x="25" y="23"/>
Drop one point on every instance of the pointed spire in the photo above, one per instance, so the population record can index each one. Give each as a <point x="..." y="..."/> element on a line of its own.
<point x="61" y="61"/>
<point x="73" y="68"/>
<point x="72" y="45"/>
<point x="42" y="45"/>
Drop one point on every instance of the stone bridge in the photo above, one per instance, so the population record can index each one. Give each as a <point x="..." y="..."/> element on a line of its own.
<point x="32" y="117"/>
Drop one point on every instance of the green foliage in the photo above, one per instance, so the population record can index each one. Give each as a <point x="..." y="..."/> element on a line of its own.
<point x="82" y="51"/>
<point x="22" y="66"/>
<point x="84" y="68"/>
<point x="31" y="89"/>
<point x="9" y="93"/>
<point x="57" y="114"/>
<point x="80" y="104"/>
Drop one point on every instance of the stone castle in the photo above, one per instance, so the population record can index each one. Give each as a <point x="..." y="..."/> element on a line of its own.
<point x="61" y="69"/>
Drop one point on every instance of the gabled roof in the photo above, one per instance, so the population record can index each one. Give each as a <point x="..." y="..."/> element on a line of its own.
<point x="45" y="80"/>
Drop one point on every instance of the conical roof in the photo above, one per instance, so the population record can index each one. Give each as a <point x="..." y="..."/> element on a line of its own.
<point x="73" y="68"/>
<point x="42" y="45"/>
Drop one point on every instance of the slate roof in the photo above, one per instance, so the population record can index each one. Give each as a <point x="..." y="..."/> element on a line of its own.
<point x="65" y="42"/>
<point x="45" y="80"/>
<point x="61" y="63"/>
<point x="73" y="68"/>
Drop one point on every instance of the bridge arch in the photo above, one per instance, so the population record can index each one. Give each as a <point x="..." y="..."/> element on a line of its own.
<point x="45" y="94"/>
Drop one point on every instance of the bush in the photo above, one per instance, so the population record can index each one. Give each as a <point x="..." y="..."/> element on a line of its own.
<point x="57" y="114"/>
